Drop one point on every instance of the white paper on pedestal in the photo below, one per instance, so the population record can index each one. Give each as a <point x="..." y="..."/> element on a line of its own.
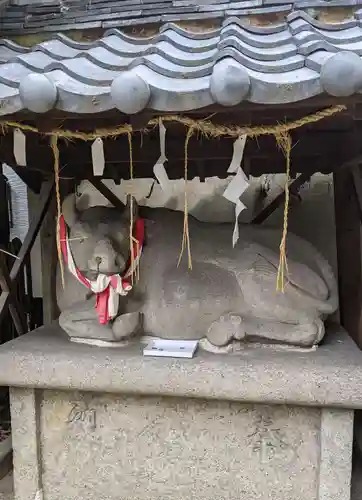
<point x="171" y="348"/>
<point x="238" y="185"/>
<point x="98" y="157"/>
<point x="159" y="167"/>
<point x="20" y="147"/>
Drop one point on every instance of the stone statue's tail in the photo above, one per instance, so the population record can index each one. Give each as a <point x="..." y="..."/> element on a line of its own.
<point x="319" y="288"/>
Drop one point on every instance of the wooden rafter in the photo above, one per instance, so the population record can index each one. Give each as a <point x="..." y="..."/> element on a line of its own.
<point x="106" y="192"/>
<point x="17" y="315"/>
<point x="314" y="149"/>
<point x="279" y="199"/>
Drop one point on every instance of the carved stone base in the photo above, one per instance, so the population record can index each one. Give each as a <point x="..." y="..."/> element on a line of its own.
<point x="114" y="425"/>
<point x="120" y="447"/>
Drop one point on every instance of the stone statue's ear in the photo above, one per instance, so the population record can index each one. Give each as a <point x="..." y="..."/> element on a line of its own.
<point x="69" y="210"/>
<point x="127" y="209"/>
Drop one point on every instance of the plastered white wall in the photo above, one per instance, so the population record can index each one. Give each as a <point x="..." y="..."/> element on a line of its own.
<point x="312" y="218"/>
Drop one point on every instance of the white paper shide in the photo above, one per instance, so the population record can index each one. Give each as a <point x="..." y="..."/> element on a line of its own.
<point x="238" y="185"/>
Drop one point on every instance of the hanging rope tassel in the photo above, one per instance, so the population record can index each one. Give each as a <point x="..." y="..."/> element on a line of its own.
<point x="131" y="223"/>
<point x="186" y="234"/>
<point x="55" y="149"/>
<point x="284" y="142"/>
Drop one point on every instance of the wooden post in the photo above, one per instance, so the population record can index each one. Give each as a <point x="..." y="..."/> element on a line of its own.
<point x="4" y="210"/>
<point x="49" y="264"/>
<point x="348" y="240"/>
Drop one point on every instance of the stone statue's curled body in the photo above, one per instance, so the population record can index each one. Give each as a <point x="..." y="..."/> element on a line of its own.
<point x="228" y="298"/>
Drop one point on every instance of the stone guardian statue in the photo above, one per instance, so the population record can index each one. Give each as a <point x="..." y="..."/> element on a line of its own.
<point x="229" y="298"/>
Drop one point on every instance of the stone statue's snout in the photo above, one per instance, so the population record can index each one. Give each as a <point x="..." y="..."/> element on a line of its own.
<point x="105" y="259"/>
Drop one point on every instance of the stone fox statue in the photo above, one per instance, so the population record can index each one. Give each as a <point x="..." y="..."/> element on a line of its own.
<point x="228" y="298"/>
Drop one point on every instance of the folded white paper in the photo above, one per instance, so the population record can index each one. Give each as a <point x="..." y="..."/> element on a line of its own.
<point x="20" y="147"/>
<point x="171" y="348"/>
<point x="98" y="157"/>
<point x="238" y="153"/>
<point x="159" y="167"/>
<point x="238" y="184"/>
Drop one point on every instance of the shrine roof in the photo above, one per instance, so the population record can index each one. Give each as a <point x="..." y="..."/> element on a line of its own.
<point x="34" y="16"/>
<point x="179" y="70"/>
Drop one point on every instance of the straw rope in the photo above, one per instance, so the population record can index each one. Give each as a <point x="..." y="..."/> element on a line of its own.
<point x="131" y="206"/>
<point x="129" y="137"/>
<point x="284" y="142"/>
<point x="186" y="234"/>
<point x="54" y="146"/>
<point x="206" y="128"/>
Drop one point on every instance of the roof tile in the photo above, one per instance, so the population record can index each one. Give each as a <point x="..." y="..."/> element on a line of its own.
<point x="281" y="63"/>
<point x="51" y="16"/>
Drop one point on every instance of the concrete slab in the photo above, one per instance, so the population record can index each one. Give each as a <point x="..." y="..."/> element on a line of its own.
<point x="329" y="377"/>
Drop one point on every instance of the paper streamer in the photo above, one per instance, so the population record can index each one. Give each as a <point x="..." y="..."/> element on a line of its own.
<point x="20" y="147"/>
<point x="238" y="153"/>
<point x="159" y="167"/>
<point x="98" y="157"/>
<point x="238" y="185"/>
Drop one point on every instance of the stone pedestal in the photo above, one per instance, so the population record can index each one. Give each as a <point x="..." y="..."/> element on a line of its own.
<point x="106" y="424"/>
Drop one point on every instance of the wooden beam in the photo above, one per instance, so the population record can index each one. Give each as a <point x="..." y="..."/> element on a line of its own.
<point x="4" y="210"/>
<point x="348" y="241"/>
<point x="147" y="147"/>
<point x="292" y="110"/>
<point x="214" y="167"/>
<point x="279" y="199"/>
<point x="311" y="152"/>
<point x="17" y="315"/>
<point x="32" y="178"/>
<point x="357" y="181"/>
<point x="107" y="193"/>
<point x="30" y="295"/>
<point x="45" y="198"/>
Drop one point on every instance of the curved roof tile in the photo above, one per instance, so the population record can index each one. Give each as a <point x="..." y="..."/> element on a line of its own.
<point x="174" y="70"/>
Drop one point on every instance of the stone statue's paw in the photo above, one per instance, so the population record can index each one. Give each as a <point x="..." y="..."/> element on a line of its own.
<point x="305" y="334"/>
<point x="227" y="328"/>
<point x="320" y="331"/>
<point x="126" y="325"/>
<point x="206" y="345"/>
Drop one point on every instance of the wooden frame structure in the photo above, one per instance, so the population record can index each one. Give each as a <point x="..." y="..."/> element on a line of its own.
<point x="331" y="146"/>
